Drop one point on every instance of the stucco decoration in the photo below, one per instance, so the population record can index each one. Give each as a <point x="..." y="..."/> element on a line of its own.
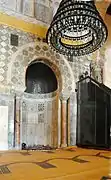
<point x="97" y="66"/>
<point x="39" y="51"/>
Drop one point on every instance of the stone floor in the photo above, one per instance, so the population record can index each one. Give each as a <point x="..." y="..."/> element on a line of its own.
<point x="62" y="164"/>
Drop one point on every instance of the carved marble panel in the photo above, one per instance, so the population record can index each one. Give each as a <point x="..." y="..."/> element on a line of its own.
<point x="43" y="2"/>
<point x="19" y="6"/>
<point x="79" y="66"/>
<point x="73" y="118"/>
<point x="43" y="13"/>
<point x="37" y="121"/>
<point x="8" y="101"/>
<point x="28" y="8"/>
<point x="3" y="127"/>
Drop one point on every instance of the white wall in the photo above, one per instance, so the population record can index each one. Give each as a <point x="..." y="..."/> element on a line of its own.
<point x="107" y="67"/>
<point x="3" y="127"/>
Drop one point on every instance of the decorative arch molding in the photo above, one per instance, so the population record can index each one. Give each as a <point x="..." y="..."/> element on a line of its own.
<point x="39" y="51"/>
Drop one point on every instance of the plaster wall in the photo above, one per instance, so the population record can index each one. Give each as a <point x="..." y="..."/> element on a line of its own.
<point x="30" y="27"/>
<point x="15" y="59"/>
<point x="13" y="63"/>
<point x="107" y="66"/>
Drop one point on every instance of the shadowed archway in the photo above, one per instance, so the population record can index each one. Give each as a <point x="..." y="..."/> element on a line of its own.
<point x="40" y="79"/>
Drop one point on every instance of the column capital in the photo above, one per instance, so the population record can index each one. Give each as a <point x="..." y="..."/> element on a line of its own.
<point x="64" y="96"/>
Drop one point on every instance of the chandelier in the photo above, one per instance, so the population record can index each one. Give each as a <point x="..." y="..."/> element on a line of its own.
<point x="77" y="28"/>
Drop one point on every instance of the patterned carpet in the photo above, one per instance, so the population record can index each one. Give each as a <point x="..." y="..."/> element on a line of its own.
<point x="62" y="164"/>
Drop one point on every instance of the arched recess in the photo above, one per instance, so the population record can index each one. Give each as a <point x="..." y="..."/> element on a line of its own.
<point x="40" y="79"/>
<point x="41" y="52"/>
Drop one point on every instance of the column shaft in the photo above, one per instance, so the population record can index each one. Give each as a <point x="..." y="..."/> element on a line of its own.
<point x="17" y="124"/>
<point x="63" y="123"/>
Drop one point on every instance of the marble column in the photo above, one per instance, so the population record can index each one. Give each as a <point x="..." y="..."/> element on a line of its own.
<point x="59" y="123"/>
<point x="17" y="124"/>
<point x="64" y="120"/>
<point x="55" y="123"/>
<point x="69" y="123"/>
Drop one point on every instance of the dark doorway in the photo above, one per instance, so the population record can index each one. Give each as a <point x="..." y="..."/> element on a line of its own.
<point x="40" y="79"/>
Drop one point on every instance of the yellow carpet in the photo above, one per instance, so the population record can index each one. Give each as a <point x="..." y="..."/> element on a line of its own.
<point x="62" y="164"/>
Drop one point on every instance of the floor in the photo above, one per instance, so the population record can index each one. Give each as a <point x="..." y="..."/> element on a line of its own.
<point x="62" y="164"/>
